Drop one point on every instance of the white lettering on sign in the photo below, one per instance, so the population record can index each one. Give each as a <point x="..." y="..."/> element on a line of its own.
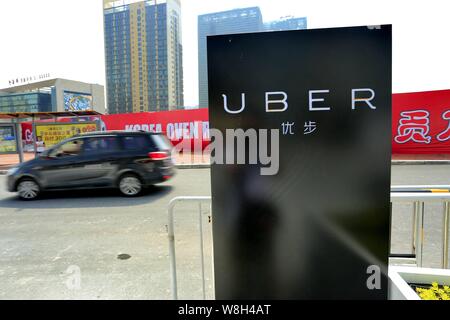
<point x="313" y="99"/>
<point x="170" y="131"/>
<point x="225" y="104"/>
<point x="205" y="130"/>
<point x="28" y="135"/>
<point x="277" y="101"/>
<point x="153" y="127"/>
<point x="175" y="131"/>
<point x="366" y="100"/>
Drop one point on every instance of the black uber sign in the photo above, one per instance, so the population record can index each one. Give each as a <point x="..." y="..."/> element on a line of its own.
<point x="301" y="195"/>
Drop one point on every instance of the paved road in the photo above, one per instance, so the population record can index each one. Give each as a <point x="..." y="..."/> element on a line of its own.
<point x="45" y="243"/>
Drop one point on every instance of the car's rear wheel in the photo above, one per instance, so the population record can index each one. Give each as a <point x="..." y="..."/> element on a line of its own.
<point x="130" y="185"/>
<point x="28" y="189"/>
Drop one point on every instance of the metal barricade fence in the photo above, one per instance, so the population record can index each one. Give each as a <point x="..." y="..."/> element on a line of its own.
<point x="171" y="233"/>
<point x="417" y="195"/>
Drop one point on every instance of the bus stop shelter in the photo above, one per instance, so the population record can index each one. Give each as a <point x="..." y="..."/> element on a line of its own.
<point x="11" y="122"/>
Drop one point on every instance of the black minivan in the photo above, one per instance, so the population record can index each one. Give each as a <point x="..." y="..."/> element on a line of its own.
<point x="125" y="160"/>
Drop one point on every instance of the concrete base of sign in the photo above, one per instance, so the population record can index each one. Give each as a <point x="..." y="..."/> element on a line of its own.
<point x="400" y="277"/>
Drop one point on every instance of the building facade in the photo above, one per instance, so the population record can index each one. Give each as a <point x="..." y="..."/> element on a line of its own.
<point x="143" y="55"/>
<point x="286" y="23"/>
<point x="26" y="102"/>
<point x="53" y="95"/>
<point x="233" y="21"/>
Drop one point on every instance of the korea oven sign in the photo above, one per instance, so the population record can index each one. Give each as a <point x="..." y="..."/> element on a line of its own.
<point x="301" y="155"/>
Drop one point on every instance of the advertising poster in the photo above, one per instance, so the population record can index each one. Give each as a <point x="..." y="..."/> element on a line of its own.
<point x="190" y="126"/>
<point x="74" y="101"/>
<point x="8" y="142"/>
<point x="49" y="134"/>
<point x="301" y="156"/>
<point x="421" y="122"/>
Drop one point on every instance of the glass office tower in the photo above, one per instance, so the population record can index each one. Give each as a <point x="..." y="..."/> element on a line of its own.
<point x="234" y="21"/>
<point x="26" y="102"/>
<point x="286" y="23"/>
<point x="143" y="55"/>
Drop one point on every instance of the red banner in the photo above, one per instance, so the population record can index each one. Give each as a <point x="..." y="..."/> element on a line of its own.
<point x="178" y="125"/>
<point x="421" y="122"/>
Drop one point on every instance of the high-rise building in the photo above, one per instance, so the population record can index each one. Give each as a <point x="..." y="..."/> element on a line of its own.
<point x="233" y="21"/>
<point x="286" y="23"/>
<point x="143" y="55"/>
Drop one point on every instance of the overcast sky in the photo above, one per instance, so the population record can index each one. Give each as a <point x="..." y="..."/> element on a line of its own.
<point x="65" y="37"/>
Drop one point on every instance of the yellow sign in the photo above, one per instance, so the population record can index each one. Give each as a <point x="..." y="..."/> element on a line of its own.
<point x="8" y="143"/>
<point x="48" y="135"/>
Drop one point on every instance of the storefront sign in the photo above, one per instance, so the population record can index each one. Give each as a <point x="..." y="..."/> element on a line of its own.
<point x="421" y="122"/>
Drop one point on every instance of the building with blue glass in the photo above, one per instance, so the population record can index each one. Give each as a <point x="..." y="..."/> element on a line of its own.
<point x="286" y="23"/>
<point x="26" y="102"/>
<point x="143" y="55"/>
<point x="233" y="21"/>
<point x="225" y="22"/>
<point x="53" y="95"/>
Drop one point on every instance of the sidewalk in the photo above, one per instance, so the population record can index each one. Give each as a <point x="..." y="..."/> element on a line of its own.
<point x="9" y="160"/>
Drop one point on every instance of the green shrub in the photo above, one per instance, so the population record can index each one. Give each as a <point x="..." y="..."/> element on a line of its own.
<point x="434" y="292"/>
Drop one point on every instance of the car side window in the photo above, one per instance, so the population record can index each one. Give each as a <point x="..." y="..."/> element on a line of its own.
<point x="136" y="143"/>
<point x="99" y="145"/>
<point x="69" y="149"/>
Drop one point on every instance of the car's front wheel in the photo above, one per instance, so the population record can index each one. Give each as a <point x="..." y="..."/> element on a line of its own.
<point x="28" y="189"/>
<point x="130" y="185"/>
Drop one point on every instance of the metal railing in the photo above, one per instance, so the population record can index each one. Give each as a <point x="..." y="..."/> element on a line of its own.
<point x="417" y="195"/>
<point x="171" y="232"/>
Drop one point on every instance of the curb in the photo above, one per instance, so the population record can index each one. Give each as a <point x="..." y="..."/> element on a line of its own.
<point x="413" y="162"/>
<point x="394" y="162"/>
<point x="193" y="166"/>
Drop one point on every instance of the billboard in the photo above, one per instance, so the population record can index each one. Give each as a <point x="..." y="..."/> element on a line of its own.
<point x="421" y="122"/>
<point x="190" y="126"/>
<point x="301" y="141"/>
<point x="75" y="101"/>
<point x="49" y="134"/>
<point x="8" y="141"/>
